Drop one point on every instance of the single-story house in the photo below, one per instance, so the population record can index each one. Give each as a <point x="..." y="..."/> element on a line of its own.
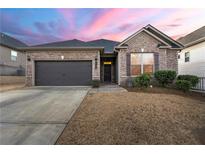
<point x="191" y="60"/>
<point x="76" y="62"/>
<point x="12" y="60"/>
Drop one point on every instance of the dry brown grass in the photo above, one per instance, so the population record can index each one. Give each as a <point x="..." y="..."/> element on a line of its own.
<point x="136" y="118"/>
<point x="11" y="87"/>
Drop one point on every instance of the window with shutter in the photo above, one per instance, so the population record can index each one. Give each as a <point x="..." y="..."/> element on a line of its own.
<point x="142" y="63"/>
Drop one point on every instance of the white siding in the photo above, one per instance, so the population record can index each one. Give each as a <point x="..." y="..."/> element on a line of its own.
<point x="196" y="65"/>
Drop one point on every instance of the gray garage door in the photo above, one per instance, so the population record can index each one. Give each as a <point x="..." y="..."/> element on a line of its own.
<point x="63" y="73"/>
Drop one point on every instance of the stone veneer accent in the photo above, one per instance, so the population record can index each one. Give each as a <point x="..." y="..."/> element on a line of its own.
<point x="56" y="55"/>
<point x="167" y="57"/>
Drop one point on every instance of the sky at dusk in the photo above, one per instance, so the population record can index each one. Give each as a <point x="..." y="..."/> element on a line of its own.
<point x="37" y="26"/>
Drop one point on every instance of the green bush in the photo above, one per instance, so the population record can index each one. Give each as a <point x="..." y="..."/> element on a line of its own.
<point x="183" y="85"/>
<point x="192" y="78"/>
<point x="95" y="83"/>
<point x="165" y="77"/>
<point x="142" y="80"/>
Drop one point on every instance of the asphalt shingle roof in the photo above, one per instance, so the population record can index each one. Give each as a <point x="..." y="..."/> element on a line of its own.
<point x="10" y="41"/>
<point x="68" y="43"/>
<point x="173" y="45"/>
<point x="107" y="44"/>
<point x="195" y="35"/>
<point x="166" y="39"/>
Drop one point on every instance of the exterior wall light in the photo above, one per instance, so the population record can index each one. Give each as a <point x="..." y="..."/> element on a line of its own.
<point x="62" y="57"/>
<point x="96" y="62"/>
<point x="142" y="49"/>
<point x="28" y="58"/>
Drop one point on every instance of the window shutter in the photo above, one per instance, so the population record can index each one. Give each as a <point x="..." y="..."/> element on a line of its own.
<point x="128" y="64"/>
<point x="156" y="61"/>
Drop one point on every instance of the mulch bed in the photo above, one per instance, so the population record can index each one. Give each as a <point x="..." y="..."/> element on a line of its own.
<point x="137" y="118"/>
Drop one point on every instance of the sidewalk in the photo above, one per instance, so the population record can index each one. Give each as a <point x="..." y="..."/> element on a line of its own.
<point x="108" y="88"/>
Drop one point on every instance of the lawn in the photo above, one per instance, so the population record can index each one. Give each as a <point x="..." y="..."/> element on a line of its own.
<point x="155" y="116"/>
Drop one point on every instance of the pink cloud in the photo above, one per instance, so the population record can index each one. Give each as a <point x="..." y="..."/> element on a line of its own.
<point x="175" y="37"/>
<point x="69" y="16"/>
<point x="126" y="20"/>
<point x="103" y="20"/>
<point x="115" y="24"/>
<point x="116" y="36"/>
<point x="177" y="17"/>
<point x="181" y="22"/>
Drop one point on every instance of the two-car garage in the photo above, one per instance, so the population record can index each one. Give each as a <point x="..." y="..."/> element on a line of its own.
<point x="62" y="66"/>
<point x="63" y="73"/>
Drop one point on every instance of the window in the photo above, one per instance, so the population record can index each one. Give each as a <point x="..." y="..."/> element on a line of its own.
<point x="178" y="56"/>
<point x="135" y="64"/>
<point x="13" y="55"/>
<point x="187" y="56"/>
<point x="142" y="63"/>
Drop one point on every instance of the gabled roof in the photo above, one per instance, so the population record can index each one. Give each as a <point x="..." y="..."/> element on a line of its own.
<point x="67" y="43"/>
<point x="166" y="41"/>
<point x="163" y="36"/>
<point x="108" y="45"/>
<point x="193" y="38"/>
<point x="10" y="42"/>
<point x="34" y="48"/>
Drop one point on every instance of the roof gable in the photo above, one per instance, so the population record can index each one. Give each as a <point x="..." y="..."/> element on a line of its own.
<point x="169" y="43"/>
<point x="163" y="36"/>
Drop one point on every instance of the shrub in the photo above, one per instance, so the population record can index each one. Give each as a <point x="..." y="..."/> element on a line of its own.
<point x="95" y="83"/>
<point x="192" y="78"/>
<point x="165" y="77"/>
<point x="142" y="80"/>
<point x="183" y="85"/>
<point x="135" y="82"/>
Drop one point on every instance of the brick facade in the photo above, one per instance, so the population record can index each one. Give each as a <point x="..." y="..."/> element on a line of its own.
<point x="56" y="55"/>
<point x="167" y="57"/>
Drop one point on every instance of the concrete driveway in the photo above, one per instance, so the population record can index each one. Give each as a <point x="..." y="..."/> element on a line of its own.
<point x="37" y="115"/>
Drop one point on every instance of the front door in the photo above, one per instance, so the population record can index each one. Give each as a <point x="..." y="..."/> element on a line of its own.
<point x="107" y="73"/>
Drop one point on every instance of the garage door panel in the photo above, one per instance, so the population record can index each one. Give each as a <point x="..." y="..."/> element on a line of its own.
<point x="63" y="73"/>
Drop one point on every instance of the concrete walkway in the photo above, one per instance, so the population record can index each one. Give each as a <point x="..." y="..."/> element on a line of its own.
<point x="108" y="88"/>
<point x="37" y="115"/>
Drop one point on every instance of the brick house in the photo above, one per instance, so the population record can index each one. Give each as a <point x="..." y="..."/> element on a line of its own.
<point x="76" y="62"/>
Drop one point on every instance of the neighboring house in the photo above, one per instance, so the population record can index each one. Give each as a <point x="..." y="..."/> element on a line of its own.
<point x="12" y="60"/>
<point x="77" y="62"/>
<point x="191" y="59"/>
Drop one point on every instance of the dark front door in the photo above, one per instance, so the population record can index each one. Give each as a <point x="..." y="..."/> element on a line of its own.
<point x="107" y="73"/>
<point x="63" y="73"/>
